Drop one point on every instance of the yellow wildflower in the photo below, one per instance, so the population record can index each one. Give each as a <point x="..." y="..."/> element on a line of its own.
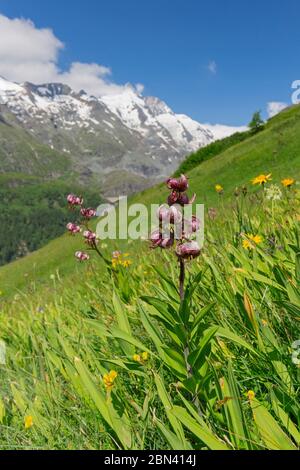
<point x="250" y="394"/>
<point x="141" y="357"/>
<point x="264" y="322"/>
<point x="28" y="422"/>
<point x="118" y="260"/>
<point x="145" y="356"/>
<point x="219" y="188"/>
<point x="261" y="179"/>
<point x="126" y="263"/>
<point x="109" y="378"/>
<point x="288" y="182"/>
<point x="257" y="239"/>
<point x="251" y="241"/>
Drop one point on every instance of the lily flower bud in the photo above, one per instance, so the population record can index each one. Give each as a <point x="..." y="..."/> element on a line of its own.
<point x="73" y="228"/>
<point x="183" y="199"/>
<point x="183" y="183"/>
<point x="81" y="256"/>
<point x="192" y="225"/>
<point x="175" y="215"/>
<point x="172" y="199"/>
<point x="88" y="213"/>
<point x="172" y="183"/>
<point x="171" y="215"/>
<point x="74" y="200"/>
<point x="158" y="240"/>
<point x="90" y="237"/>
<point x="188" y="250"/>
<point x="180" y="184"/>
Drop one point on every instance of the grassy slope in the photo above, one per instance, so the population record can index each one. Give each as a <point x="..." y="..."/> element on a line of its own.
<point x="276" y="150"/>
<point x="21" y="153"/>
<point x="244" y="316"/>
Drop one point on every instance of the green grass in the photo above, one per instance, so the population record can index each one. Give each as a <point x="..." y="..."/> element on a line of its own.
<point x="240" y="318"/>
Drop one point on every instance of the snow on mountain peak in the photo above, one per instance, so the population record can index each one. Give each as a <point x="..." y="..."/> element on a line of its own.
<point x="137" y="133"/>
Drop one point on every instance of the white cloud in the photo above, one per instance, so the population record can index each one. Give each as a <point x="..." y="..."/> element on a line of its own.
<point x="92" y="78"/>
<point x="212" y="67"/>
<point x="28" y="53"/>
<point x="220" y="131"/>
<point x="274" y="107"/>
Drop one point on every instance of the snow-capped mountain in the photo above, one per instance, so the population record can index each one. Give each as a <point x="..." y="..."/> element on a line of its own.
<point x="130" y="132"/>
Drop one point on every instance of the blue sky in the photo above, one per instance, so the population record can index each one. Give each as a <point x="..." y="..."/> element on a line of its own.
<point x="217" y="61"/>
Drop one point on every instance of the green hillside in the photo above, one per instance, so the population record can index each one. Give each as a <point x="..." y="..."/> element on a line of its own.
<point x="33" y="212"/>
<point x="275" y="150"/>
<point x="21" y="153"/>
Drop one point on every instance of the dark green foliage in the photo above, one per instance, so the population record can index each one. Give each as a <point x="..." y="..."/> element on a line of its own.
<point x="211" y="150"/>
<point x="257" y="123"/>
<point x="33" y="214"/>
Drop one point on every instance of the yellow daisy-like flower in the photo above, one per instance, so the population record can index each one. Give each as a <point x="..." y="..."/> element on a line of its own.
<point x="28" y="421"/>
<point x="109" y="378"/>
<point x="250" y="394"/>
<point x="288" y="182"/>
<point x="118" y="260"/>
<point x="262" y="179"/>
<point x="141" y="357"/>
<point x="257" y="239"/>
<point x="219" y="188"/>
<point x="126" y="263"/>
<point x="145" y="356"/>
<point x="251" y="241"/>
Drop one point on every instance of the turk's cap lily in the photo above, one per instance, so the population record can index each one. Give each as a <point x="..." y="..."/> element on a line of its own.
<point x="188" y="250"/>
<point x="88" y="235"/>
<point x="178" y="184"/>
<point x="180" y="198"/>
<point x="81" y="256"/>
<point x="73" y="228"/>
<point x="172" y="198"/>
<point x="74" y="200"/>
<point x="192" y="225"/>
<point x="159" y="240"/>
<point x="88" y="213"/>
<point x="171" y="215"/>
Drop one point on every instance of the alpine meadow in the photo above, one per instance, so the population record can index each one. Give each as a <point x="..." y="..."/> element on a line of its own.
<point x="149" y="230"/>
